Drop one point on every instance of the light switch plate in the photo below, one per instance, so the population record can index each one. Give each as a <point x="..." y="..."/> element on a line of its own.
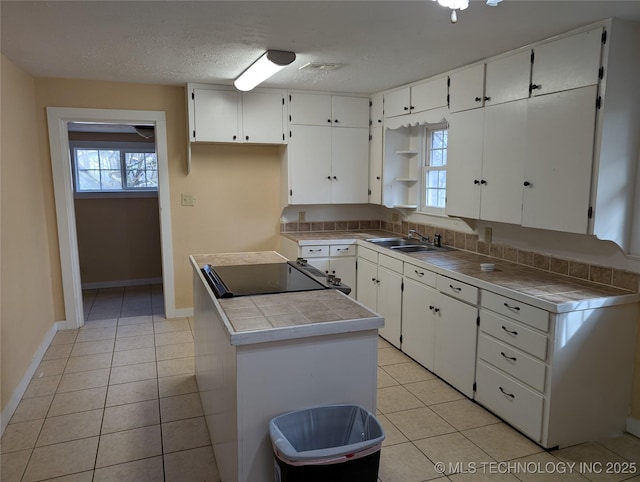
<point x="187" y="200"/>
<point x="301" y="216"/>
<point x="488" y="234"/>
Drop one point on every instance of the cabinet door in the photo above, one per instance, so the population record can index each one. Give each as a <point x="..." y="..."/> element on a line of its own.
<point x="464" y="163"/>
<point x="418" y="322"/>
<point x="466" y="90"/>
<point x="508" y="79"/>
<point x="567" y="63"/>
<point x="345" y="269"/>
<point x="376" y="112"/>
<point x="505" y="138"/>
<point x="429" y="95"/>
<point x="323" y="264"/>
<point x="397" y="102"/>
<point x="390" y="304"/>
<point x="456" y="334"/>
<point x="367" y="283"/>
<point x="375" y="165"/>
<point x="350" y="111"/>
<point x="310" y="165"/>
<point x="262" y="119"/>
<point x="310" y="109"/>
<point x="349" y="165"/>
<point x="216" y="115"/>
<point x="560" y="136"/>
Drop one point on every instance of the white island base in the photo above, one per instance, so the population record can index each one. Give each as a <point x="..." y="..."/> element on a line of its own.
<point x="246" y="378"/>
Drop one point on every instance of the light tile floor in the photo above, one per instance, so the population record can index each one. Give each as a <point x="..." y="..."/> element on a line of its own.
<point x="117" y="400"/>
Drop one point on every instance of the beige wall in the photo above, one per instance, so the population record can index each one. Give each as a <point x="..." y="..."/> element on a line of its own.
<point x="118" y="239"/>
<point x="27" y="306"/>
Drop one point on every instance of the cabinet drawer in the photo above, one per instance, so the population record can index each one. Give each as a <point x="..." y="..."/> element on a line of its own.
<point x="514" y="334"/>
<point x="314" y="251"/>
<point x="420" y="274"/>
<point x="523" y="367"/>
<point x="342" y="250"/>
<point x="518" y="405"/>
<point x="461" y="291"/>
<point x="527" y="314"/>
<point x="391" y="263"/>
<point x="368" y="254"/>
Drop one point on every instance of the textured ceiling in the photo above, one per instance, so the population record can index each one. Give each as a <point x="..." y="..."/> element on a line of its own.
<point x="382" y="44"/>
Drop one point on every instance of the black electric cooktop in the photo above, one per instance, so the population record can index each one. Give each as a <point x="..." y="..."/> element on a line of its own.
<point x="256" y="279"/>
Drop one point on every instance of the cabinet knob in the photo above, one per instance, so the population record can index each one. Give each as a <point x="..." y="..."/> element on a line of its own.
<point x="487" y="98"/>
<point x="378" y="178"/>
<point x="234" y="138"/>
<point x="329" y="177"/>
<point x="478" y="99"/>
<point x="329" y="121"/>
<point x="527" y="184"/>
<point x="379" y="121"/>
<point x="483" y="182"/>
<point x="534" y="87"/>
<point x="411" y="107"/>
<point x="246" y="138"/>
<point x="335" y="121"/>
<point x="335" y="178"/>
<point x="476" y="181"/>
<point x="406" y="108"/>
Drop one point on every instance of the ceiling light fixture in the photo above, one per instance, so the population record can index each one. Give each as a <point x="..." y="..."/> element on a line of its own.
<point x="461" y="5"/>
<point x="268" y="64"/>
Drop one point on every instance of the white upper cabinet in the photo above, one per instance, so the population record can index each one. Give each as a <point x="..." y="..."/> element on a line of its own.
<point x="216" y="115"/>
<point x="327" y="109"/>
<point x="466" y="88"/>
<point x="262" y="119"/>
<point x="349" y="111"/>
<point x="349" y="165"/>
<point x="567" y="63"/>
<point x="222" y="114"/>
<point x="417" y="98"/>
<point x="310" y="109"/>
<point x="375" y="165"/>
<point x="376" y="113"/>
<point x="557" y="180"/>
<point x="508" y="78"/>
<point x="310" y="165"/>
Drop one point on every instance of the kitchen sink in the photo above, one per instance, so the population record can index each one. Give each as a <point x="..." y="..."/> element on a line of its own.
<point x="407" y="245"/>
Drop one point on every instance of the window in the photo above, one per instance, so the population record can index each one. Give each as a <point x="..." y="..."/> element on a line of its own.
<point x="434" y="170"/>
<point x="106" y="168"/>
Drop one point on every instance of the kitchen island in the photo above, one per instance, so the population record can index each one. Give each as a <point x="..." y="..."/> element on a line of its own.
<point x="260" y="356"/>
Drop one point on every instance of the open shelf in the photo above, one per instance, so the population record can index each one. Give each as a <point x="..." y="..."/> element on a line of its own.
<point x="405" y="206"/>
<point x="406" y="179"/>
<point x="407" y="152"/>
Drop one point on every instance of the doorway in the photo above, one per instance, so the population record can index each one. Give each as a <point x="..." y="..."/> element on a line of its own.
<point x="58" y="123"/>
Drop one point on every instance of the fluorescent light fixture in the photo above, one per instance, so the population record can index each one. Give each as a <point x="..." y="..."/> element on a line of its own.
<point x="268" y="64"/>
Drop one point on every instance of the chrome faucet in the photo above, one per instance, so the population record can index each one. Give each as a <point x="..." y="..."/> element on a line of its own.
<point x="413" y="232"/>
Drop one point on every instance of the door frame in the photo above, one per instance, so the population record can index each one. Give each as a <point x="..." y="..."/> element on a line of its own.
<point x="57" y="120"/>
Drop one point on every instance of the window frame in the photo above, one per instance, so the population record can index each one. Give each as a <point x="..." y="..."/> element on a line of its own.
<point x="425" y="168"/>
<point x="124" y="147"/>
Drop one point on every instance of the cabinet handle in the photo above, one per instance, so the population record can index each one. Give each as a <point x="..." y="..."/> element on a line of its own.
<point x="315" y="250"/>
<point x="457" y="289"/>
<point x="514" y="308"/>
<point x="377" y="281"/>
<point x="476" y="181"/>
<point x="483" y="182"/>
<point x="419" y="273"/>
<point x="378" y="178"/>
<point x="487" y="98"/>
<point x="342" y="249"/>
<point x="478" y="99"/>
<point x="514" y="333"/>
<point x="246" y="138"/>
<point x="436" y="310"/>
<point x="535" y="86"/>
<point x="526" y="184"/>
<point x="431" y="307"/>
<point x="507" y="394"/>
<point x="512" y="358"/>
<point x="411" y="107"/>
<point x="234" y="138"/>
<point x="406" y="108"/>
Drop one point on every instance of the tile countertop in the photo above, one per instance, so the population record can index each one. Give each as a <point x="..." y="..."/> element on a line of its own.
<point x="283" y="316"/>
<point x="337" y="237"/>
<point x="553" y="292"/>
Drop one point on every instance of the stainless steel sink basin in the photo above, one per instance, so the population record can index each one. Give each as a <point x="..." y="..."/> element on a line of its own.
<point x="406" y="245"/>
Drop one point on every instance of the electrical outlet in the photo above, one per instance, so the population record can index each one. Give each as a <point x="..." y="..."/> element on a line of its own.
<point x="301" y="216"/>
<point x="187" y="200"/>
<point x="488" y="234"/>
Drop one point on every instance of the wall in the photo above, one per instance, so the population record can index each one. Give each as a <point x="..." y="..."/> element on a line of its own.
<point x="118" y="240"/>
<point x="27" y="305"/>
<point x="236" y="187"/>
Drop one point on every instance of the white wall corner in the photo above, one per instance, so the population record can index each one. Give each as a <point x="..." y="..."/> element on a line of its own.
<point x="9" y="410"/>
<point x="633" y="426"/>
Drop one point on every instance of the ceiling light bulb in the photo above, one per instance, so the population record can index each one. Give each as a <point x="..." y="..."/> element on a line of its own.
<point x="268" y="64"/>
<point x="493" y="3"/>
<point x="454" y="16"/>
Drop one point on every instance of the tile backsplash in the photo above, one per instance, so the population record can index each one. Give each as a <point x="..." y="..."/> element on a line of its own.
<point x="470" y="242"/>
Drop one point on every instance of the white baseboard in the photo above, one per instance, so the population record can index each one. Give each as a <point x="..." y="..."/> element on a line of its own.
<point x="633" y="426"/>
<point x="96" y="285"/>
<point x="9" y="410"/>
<point x="183" y="312"/>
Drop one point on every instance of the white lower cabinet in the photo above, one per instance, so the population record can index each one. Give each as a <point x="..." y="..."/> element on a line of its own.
<point x="560" y="378"/>
<point x="419" y="322"/>
<point x="379" y="282"/>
